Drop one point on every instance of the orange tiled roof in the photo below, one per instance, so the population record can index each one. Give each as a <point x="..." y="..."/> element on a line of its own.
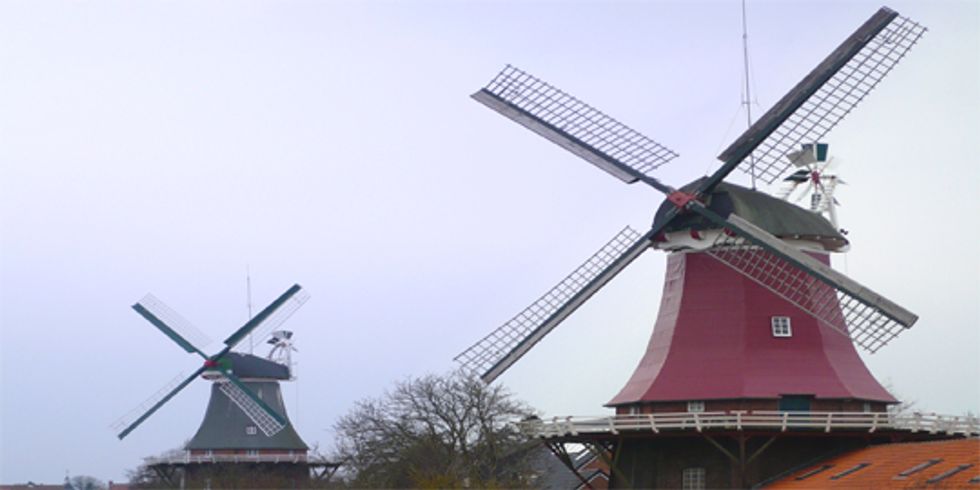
<point x="898" y="465"/>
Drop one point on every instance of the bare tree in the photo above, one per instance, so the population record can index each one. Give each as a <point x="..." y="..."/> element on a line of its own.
<point x="85" y="482"/>
<point x="435" y="431"/>
<point x="904" y="406"/>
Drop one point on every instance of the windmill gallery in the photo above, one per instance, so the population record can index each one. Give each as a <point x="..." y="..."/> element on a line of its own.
<point x="748" y="286"/>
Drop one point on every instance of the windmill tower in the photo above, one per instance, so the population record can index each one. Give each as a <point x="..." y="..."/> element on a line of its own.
<point x="752" y="366"/>
<point x="245" y="438"/>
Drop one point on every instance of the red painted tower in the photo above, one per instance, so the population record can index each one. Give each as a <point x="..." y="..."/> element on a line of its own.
<point x="726" y="342"/>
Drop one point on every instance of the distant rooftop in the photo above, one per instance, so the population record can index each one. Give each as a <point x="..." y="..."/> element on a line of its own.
<point x="935" y="464"/>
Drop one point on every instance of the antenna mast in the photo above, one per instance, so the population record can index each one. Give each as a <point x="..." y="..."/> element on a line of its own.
<point x="248" y="303"/>
<point x="748" y="95"/>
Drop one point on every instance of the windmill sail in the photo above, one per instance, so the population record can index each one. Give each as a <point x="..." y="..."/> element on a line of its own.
<point x="496" y="352"/>
<point x="264" y="417"/>
<point x="822" y="99"/>
<point x="574" y="125"/>
<point x="868" y="318"/>
<point x="157" y="400"/>
<point x="271" y="316"/>
<point x="172" y="324"/>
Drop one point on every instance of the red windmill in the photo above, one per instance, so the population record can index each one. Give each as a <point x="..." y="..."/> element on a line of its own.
<point x="754" y="325"/>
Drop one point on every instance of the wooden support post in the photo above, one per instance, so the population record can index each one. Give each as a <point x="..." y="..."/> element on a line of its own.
<point x="720" y="448"/>
<point x="167" y="476"/>
<point x="761" y="449"/>
<point x="741" y="459"/>
<point x="326" y="471"/>
<point x="558" y="449"/>
<point x="601" y="452"/>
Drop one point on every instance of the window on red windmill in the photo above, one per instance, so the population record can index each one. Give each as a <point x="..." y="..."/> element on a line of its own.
<point x="693" y="479"/>
<point x="250" y="430"/>
<point x="781" y="327"/>
<point x="695" y="406"/>
<point x="252" y="452"/>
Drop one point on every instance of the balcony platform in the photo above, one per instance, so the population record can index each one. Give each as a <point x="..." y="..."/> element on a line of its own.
<point x="754" y="421"/>
<point x="647" y="450"/>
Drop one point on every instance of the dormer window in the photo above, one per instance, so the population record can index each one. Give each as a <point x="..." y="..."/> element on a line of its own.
<point x="781" y="327"/>
<point x="251" y="430"/>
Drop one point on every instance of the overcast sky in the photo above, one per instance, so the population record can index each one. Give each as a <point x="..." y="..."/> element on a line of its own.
<point x="166" y="146"/>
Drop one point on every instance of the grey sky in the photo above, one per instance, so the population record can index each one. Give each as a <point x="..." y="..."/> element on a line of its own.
<point x="162" y="147"/>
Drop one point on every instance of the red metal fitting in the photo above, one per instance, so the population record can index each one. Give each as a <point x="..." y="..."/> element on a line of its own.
<point x="680" y="199"/>
<point x="210" y="364"/>
<point x="695" y="234"/>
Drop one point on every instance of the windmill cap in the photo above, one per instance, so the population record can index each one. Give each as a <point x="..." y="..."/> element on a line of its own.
<point x="255" y="367"/>
<point x="776" y="216"/>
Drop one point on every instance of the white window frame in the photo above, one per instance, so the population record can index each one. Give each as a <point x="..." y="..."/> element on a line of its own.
<point x="867" y="407"/>
<point x="634" y="410"/>
<point x="251" y="430"/>
<point x="251" y="452"/>
<point x="782" y="326"/>
<point x="693" y="479"/>
<point x="696" y="406"/>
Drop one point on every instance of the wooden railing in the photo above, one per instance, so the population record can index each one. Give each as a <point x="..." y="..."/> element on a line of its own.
<point x="185" y="457"/>
<point x="754" y="420"/>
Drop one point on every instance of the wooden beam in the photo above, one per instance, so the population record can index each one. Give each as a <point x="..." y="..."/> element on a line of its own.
<point x="600" y="452"/>
<point x="720" y="448"/>
<point x="558" y="449"/>
<point x="761" y="449"/>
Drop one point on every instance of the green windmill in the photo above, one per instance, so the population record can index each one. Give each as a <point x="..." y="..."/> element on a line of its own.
<point x="220" y="367"/>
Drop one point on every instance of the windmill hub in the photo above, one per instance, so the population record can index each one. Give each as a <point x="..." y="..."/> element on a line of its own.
<point x="681" y="199"/>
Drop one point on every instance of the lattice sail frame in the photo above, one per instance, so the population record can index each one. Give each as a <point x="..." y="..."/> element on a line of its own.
<point x="583" y="125"/>
<point x="175" y="321"/>
<point x="278" y="317"/>
<point x="483" y="356"/>
<point x="834" y="99"/>
<point x="124" y="421"/>
<point x="265" y="422"/>
<point x="865" y="324"/>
